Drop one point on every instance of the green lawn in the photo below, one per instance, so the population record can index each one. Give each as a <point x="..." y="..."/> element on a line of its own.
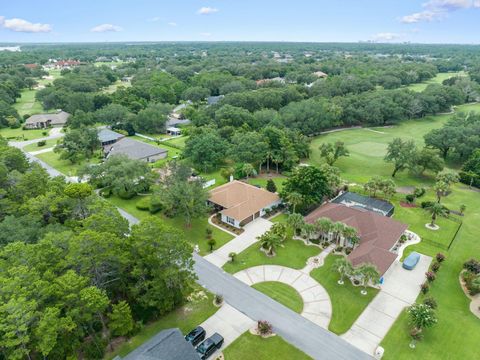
<point x="65" y="166"/>
<point x="367" y="148"/>
<point x="282" y="293"/>
<point x="21" y="135"/>
<point x="251" y="347"/>
<point x="280" y="218"/>
<point x="438" y="79"/>
<point x="35" y="147"/>
<point x="185" y="318"/>
<point x="179" y="141"/>
<point x="196" y="234"/>
<point x="347" y="302"/>
<point x="260" y="181"/>
<point x="27" y="104"/>
<point x="294" y="255"/>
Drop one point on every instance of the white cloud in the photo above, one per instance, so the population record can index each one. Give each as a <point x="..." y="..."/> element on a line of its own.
<point x="438" y="10"/>
<point x="206" y="34"/>
<point x="207" y="10"/>
<point x="172" y="23"/>
<point x="386" y="36"/>
<point x="155" y="19"/>
<point x="21" y="25"/>
<point x="105" y="28"/>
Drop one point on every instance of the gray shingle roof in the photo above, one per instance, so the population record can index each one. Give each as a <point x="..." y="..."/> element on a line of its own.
<point x="176" y="122"/>
<point x="107" y="135"/>
<point x="134" y="149"/>
<point x="59" y="118"/>
<point x="166" y="345"/>
<point x="212" y="100"/>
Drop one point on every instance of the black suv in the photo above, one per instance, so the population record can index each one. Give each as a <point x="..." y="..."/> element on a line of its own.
<point x="209" y="346"/>
<point x="196" y="335"/>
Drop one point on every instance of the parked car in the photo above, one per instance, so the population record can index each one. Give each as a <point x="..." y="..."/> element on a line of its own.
<point x="411" y="261"/>
<point x="196" y="336"/>
<point x="209" y="346"/>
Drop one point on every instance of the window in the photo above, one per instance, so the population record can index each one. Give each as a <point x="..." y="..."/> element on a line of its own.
<point x="230" y="220"/>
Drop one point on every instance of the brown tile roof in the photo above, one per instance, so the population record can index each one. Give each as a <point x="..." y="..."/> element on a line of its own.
<point x="378" y="234"/>
<point x="241" y="200"/>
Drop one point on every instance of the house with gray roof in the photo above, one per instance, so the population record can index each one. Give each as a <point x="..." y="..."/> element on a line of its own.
<point x="108" y="137"/>
<point x="168" y="344"/>
<point x="213" y="100"/>
<point x="134" y="149"/>
<point x="42" y="121"/>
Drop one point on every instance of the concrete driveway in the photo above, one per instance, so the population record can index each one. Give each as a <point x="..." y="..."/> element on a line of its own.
<point x="252" y="230"/>
<point x="400" y="289"/>
<point x="228" y="322"/>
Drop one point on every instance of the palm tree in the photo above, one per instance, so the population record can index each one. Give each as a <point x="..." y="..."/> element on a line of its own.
<point x="249" y="170"/>
<point x="440" y="189"/>
<point x="436" y="209"/>
<point x="268" y="157"/>
<point x="276" y="159"/>
<point x="337" y="230"/>
<point x="421" y="316"/>
<point x="324" y="226"/>
<point x="295" y="221"/>
<point x="270" y="241"/>
<point x="343" y="267"/>
<point x="368" y="274"/>
<point x="294" y="199"/>
<point x="308" y="230"/>
<point x="350" y="235"/>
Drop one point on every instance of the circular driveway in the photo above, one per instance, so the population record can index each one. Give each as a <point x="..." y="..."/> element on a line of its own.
<point x="317" y="306"/>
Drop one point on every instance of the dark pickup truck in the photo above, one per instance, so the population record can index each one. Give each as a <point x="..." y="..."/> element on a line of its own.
<point x="209" y="346"/>
<point x="196" y="335"/>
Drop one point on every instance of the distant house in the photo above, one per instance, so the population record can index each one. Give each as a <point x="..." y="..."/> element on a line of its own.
<point x="61" y="64"/>
<point x="177" y="122"/>
<point x="168" y="344"/>
<point x="31" y="66"/>
<point x="358" y="201"/>
<point x="174" y="131"/>
<point x="240" y="203"/>
<point x="378" y="234"/>
<point x="108" y="137"/>
<point x="42" y="121"/>
<point x="137" y="150"/>
<point x="213" y="100"/>
<point x="266" y="81"/>
<point x="320" y="74"/>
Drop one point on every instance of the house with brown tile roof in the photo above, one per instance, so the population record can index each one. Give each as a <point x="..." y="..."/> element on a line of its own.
<point x="240" y="203"/>
<point x="378" y="234"/>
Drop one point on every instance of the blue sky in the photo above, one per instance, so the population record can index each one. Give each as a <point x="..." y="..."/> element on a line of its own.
<point x="428" y="21"/>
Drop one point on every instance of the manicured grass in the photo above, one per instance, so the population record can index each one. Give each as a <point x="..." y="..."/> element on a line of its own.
<point x="35" y="147"/>
<point x="185" y="318"/>
<point x="27" y="104"/>
<point x="65" y="166"/>
<point x="368" y="148"/>
<point x="219" y="179"/>
<point x="178" y="141"/>
<point x="261" y="181"/>
<point x="20" y="134"/>
<point x="438" y="79"/>
<point x="283" y="293"/>
<point x="280" y="218"/>
<point x="294" y="254"/>
<point x="196" y="234"/>
<point x="347" y="302"/>
<point x="249" y="346"/>
<point x="457" y="333"/>
<point x="119" y="83"/>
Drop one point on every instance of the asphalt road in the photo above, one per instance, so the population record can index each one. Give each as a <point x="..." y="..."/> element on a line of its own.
<point x="305" y="335"/>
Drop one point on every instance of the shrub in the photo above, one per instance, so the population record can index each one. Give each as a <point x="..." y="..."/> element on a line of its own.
<point x="264" y="327"/>
<point x="348" y="251"/>
<point x="472" y="265"/>
<point x="338" y="249"/>
<point x="430" y="302"/>
<point x="156" y="204"/>
<point x="232" y="256"/>
<point x="430" y="276"/>
<point x="435" y="267"/>
<point x="419" y="192"/>
<point x="271" y="186"/>
<point x="403" y="239"/>
<point x="356" y="282"/>
<point x="44" y="133"/>
<point x="208" y="233"/>
<point x="218" y="299"/>
<point x="211" y="243"/>
<point x="440" y="257"/>
<point x="143" y="204"/>
<point x="105" y="193"/>
<point x="325" y="244"/>
<point x="410" y="198"/>
<point x="426" y="204"/>
<point x="41" y="143"/>
<point x="424" y="288"/>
